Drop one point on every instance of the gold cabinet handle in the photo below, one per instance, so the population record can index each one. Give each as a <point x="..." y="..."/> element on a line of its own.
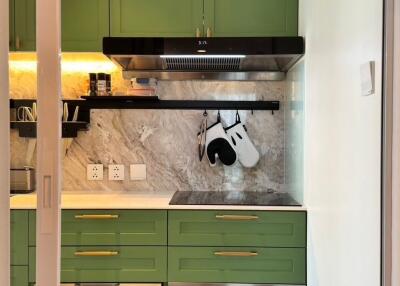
<point x="209" y="32"/>
<point x="97" y="216"/>
<point x="17" y="43"/>
<point x="198" y="33"/>
<point x="237" y="217"/>
<point x="236" y="253"/>
<point x="96" y="253"/>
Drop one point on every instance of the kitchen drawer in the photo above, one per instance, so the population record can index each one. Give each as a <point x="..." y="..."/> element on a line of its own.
<point x="237" y="265"/>
<point x="109" y="264"/>
<point x="19" y="237"/>
<point x="110" y="227"/>
<point x="237" y="228"/>
<point x="19" y="275"/>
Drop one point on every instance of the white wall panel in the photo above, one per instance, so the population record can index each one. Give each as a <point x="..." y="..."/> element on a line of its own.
<point x="343" y="141"/>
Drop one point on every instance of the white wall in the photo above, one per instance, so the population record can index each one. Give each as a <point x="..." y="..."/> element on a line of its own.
<point x="342" y="133"/>
<point x="4" y="149"/>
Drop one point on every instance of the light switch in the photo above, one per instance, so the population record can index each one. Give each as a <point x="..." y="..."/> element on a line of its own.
<point x="138" y="172"/>
<point x="367" y="72"/>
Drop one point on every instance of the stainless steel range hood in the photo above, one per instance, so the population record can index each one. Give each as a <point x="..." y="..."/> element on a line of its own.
<point x="267" y="58"/>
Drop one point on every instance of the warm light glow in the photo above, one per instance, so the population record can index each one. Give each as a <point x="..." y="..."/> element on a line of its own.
<point x="70" y="63"/>
<point x="201" y="56"/>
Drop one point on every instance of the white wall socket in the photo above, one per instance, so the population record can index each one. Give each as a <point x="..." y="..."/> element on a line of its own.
<point x="94" y="172"/>
<point x="138" y="172"/>
<point x="116" y="172"/>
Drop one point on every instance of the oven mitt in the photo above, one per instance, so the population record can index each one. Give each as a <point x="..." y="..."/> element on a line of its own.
<point x="247" y="153"/>
<point x="219" y="146"/>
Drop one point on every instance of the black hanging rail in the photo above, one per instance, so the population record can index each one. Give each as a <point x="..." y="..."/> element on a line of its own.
<point x="135" y="102"/>
<point x="86" y="103"/>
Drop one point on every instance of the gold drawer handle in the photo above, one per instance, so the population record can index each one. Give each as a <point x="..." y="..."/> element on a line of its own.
<point x="235" y="254"/>
<point x="101" y="216"/>
<point x="96" y="253"/>
<point x="237" y="217"/>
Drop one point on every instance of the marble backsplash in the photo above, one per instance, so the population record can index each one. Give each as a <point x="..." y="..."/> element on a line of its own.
<point x="166" y="140"/>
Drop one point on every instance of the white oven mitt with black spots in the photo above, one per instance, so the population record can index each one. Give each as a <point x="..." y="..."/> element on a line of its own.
<point x="247" y="153"/>
<point x="219" y="146"/>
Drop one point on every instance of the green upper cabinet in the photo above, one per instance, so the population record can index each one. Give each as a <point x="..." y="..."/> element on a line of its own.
<point x="156" y="18"/>
<point x="11" y="22"/>
<point x="25" y="25"/>
<point x="84" y="24"/>
<point x="251" y="18"/>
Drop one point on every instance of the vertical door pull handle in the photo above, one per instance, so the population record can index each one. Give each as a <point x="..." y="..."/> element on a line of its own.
<point x="198" y="33"/>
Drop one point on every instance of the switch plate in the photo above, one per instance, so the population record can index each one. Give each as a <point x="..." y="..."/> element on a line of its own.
<point x="94" y="172"/>
<point x="138" y="172"/>
<point x="367" y="73"/>
<point x="116" y="172"/>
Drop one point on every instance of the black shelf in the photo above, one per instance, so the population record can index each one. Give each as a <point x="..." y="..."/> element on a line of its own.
<point x="27" y="129"/>
<point x="71" y="129"/>
<point x="132" y="102"/>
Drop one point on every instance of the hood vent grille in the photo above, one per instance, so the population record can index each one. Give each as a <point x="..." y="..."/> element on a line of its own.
<point x="203" y="63"/>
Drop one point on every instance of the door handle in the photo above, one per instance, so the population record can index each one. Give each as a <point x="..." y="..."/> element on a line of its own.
<point x="236" y="253"/>
<point x="17" y="42"/>
<point x="209" y="32"/>
<point x="96" y="253"/>
<point x="237" y="217"/>
<point x="198" y="33"/>
<point x="97" y="216"/>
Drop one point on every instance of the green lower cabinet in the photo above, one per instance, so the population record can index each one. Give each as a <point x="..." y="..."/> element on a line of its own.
<point x="19" y="237"/>
<point x="109" y="264"/>
<point x="237" y="265"/>
<point x="237" y="228"/>
<point x="251" y="18"/>
<point x="19" y="275"/>
<point x="109" y="227"/>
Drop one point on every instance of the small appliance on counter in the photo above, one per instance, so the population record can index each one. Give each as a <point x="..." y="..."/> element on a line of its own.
<point x="22" y="180"/>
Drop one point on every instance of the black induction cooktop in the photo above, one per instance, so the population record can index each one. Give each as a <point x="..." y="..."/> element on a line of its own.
<point x="248" y="198"/>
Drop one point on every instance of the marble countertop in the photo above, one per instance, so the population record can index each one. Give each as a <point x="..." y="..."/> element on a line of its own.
<point x="136" y="200"/>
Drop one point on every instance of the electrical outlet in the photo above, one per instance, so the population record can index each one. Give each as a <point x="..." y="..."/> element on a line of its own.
<point x="138" y="172"/>
<point x="94" y="172"/>
<point x="116" y="172"/>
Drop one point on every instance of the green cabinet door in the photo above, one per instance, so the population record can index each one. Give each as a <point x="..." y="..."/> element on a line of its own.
<point x="237" y="265"/>
<point x="251" y="18"/>
<point x="156" y="18"/>
<point x="11" y="23"/>
<point x="19" y="275"/>
<point x="237" y="228"/>
<point x="109" y="227"/>
<point x="84" y="24"/>
<point x="109" y="264"/>
<point x="25" y="25"/>
<point x="19" y="237"/>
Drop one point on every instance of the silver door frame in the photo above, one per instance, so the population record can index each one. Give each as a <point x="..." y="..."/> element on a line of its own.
<point x="4" y="146"/>
<point x="391" y="146"/>
<point x="48" y="237"/>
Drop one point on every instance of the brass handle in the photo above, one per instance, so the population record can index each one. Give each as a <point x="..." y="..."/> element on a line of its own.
<point x="17" y="43"/>
<point x="95" y="216"/>
<point x="235" y="253"/>
<point x="198" y="33"/>
<point x="96" y="253"/>
<point x="209" y="32"/>
<point x="237" y="217"/>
